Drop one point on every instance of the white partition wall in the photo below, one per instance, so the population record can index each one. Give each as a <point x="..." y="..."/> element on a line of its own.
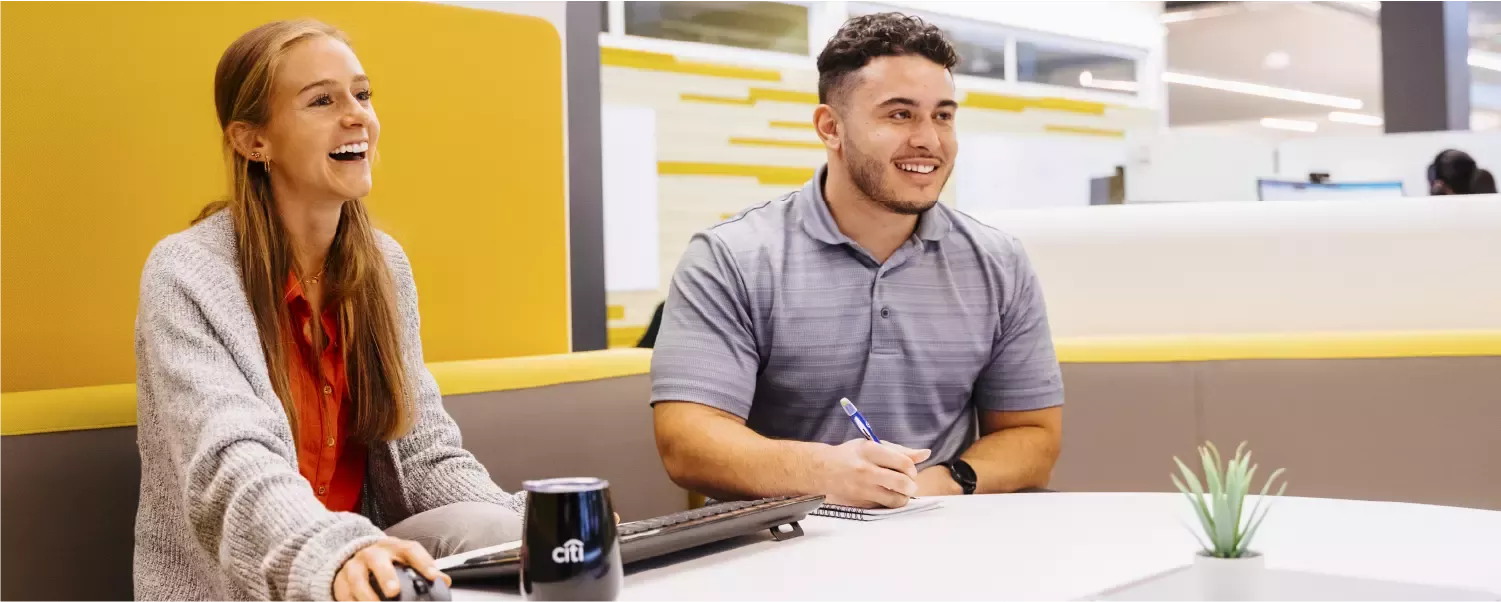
<point x="1402" y="157"/>
<point x="1226" y="267"/>
<point x="1169" y="166"/>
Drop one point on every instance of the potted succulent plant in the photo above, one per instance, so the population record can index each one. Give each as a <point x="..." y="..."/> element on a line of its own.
<point x="1227" y="567"/>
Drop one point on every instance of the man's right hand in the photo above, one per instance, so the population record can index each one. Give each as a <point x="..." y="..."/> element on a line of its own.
<point x="865" y="474"/>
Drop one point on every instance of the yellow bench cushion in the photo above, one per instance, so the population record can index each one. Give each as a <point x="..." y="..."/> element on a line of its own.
<point x="83" y="408"/>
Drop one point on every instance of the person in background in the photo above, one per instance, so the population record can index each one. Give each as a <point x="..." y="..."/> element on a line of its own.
<point x="649" y="338"/>
<point x="861" y="285"/>
<point x="1455" y="172"/>
<point x="293" y="443"/>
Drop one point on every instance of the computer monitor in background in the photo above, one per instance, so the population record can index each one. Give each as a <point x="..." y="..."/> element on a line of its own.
<point x="1287" y="190"/>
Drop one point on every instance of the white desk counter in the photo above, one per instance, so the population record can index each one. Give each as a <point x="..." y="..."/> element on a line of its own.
<point x="1065" y="546"/>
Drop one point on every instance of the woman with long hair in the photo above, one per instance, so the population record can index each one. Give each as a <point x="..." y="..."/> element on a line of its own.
<point x="293" y="443"/>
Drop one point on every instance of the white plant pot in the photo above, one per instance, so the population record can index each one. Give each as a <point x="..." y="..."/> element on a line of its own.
<point x="1230" y="578"/>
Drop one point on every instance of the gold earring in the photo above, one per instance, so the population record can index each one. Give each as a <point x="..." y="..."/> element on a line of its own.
<point x="255" y="156"/>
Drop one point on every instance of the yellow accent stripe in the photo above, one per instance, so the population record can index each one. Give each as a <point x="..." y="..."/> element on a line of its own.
<point x="793" y="96"/>
<point x="615" y="312"/>
<point x="656" y="61"/>
<point x="109" y="406"/>
<point x="770" y="175"/>
<point x="1002" y="102"/>
<point x="625" y="336"/>
<point x="505" y="374"/>
<point x="720" y="100"/>
<point x="1087" y="131"/>
<point x="755" y="95"/>
<point x="792" y="125"/>
<point x="775" y="143"/>
<point x="1276" y="346"/>
<point x="75" y="409"/>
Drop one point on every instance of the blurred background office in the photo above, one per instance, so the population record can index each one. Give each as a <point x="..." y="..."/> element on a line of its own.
<point x="705" y="109"/>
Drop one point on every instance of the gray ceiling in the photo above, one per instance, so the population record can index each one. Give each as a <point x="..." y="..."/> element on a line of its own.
<point x="1329" y="51"/>
<point x="1332" y="48"/>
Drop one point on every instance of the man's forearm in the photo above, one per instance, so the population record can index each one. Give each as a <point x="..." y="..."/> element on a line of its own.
<point x="1013" y="458"/>
<point x="720" y="458"/>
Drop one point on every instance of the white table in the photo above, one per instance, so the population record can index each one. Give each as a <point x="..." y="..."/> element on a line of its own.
<point x="1069" y="546"/>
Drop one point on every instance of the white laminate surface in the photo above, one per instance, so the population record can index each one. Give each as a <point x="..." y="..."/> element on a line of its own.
<point x="1069" y="546"/>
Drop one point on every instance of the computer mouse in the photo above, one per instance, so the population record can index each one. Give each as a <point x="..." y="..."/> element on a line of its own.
<point x="414" y="586"/>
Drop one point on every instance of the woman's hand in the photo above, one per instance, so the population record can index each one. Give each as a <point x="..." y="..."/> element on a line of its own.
<point x="353" y="580"/>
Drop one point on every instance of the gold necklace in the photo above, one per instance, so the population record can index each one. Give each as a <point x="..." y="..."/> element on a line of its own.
<point x="313" y="279"/>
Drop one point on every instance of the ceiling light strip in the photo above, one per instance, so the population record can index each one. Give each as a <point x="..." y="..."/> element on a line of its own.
<point x="1292" y="125"/>
<point x="1356" y="118"/>
<point x="1326" y="100"/>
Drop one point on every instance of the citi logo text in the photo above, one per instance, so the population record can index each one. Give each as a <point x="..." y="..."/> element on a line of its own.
<point x="570" y="552"/>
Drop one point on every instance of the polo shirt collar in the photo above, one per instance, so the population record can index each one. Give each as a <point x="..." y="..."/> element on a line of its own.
<point x="933" y="225"/>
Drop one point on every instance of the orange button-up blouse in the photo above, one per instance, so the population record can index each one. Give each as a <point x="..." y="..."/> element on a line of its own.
<point x="326" y="457"/>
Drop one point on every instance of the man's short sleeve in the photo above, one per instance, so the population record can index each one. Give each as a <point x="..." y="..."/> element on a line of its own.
<point x="706" y="348"/>
<point x="1023" y="372"/>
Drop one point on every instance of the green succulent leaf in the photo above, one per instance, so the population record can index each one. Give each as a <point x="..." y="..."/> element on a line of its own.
<point x="1245" y="542"/>
<point x="1219" y="501"/>
<point x="1197" y="501"/>
<point x="1199" y="540"/>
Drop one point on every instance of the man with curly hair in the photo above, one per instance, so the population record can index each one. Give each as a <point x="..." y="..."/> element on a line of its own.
<point x="861" y="286"/>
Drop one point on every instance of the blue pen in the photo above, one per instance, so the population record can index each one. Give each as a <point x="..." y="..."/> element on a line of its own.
<point x="860" y="423"/>
<point x="858" y="419"/>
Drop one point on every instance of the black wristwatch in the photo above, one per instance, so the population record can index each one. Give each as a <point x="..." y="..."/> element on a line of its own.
<point x="963" y="474"/>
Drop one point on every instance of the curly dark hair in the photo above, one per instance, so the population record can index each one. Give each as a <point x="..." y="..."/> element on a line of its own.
<point x="869" y="37"/>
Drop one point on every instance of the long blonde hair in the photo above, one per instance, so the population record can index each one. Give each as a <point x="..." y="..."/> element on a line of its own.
<point x="357" y="281"/>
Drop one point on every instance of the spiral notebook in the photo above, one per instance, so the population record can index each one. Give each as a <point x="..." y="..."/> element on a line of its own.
<point x="852" y="513"/>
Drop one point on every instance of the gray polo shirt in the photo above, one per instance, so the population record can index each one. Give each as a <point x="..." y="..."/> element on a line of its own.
<point x="774" y="315"/>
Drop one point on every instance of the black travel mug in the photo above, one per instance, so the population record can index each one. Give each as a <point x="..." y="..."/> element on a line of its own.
<point x="570" y="548"/>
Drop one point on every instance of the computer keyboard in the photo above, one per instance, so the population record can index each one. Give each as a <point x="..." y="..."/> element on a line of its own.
<point x="643" y="539"/>
<point x="678" y="518"/>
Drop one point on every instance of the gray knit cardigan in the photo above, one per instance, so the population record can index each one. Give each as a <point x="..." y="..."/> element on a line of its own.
<point x="224" y="513"/>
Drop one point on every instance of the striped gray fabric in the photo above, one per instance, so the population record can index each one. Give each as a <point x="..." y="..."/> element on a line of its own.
<point x="774" y="315"/>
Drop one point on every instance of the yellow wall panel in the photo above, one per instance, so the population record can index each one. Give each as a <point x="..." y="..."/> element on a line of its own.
<point x="793" y="96"/>
<point x="766" y="174"/>
<point x="793" y="125"/>
<point x="656" y="61"/>
<point x="756" y="95"/>
<point x="1085" y="131"/>
<point x="776" y="143"/>
<point x="110" y="143"/>
<point x="722" y="100"/>
<point x="1002" y="102"/>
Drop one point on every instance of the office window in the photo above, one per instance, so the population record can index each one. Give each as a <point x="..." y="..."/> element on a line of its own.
<point x="1060" y="66"/>
<point x="981" y="48"/>
<point x="774" y="26"/>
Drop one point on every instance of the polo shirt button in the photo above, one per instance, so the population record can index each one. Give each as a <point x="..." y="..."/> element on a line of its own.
<point x="322" y="490"/>
<point x="885" y="313"/>
<point x="327" y="390"/>
<point x="330" y="441"/>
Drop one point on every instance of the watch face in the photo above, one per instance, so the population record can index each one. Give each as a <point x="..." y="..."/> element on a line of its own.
<point x="965" y="474"/>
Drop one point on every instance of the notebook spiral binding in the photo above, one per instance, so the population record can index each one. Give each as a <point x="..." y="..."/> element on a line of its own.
<point x="845" y="512"/>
